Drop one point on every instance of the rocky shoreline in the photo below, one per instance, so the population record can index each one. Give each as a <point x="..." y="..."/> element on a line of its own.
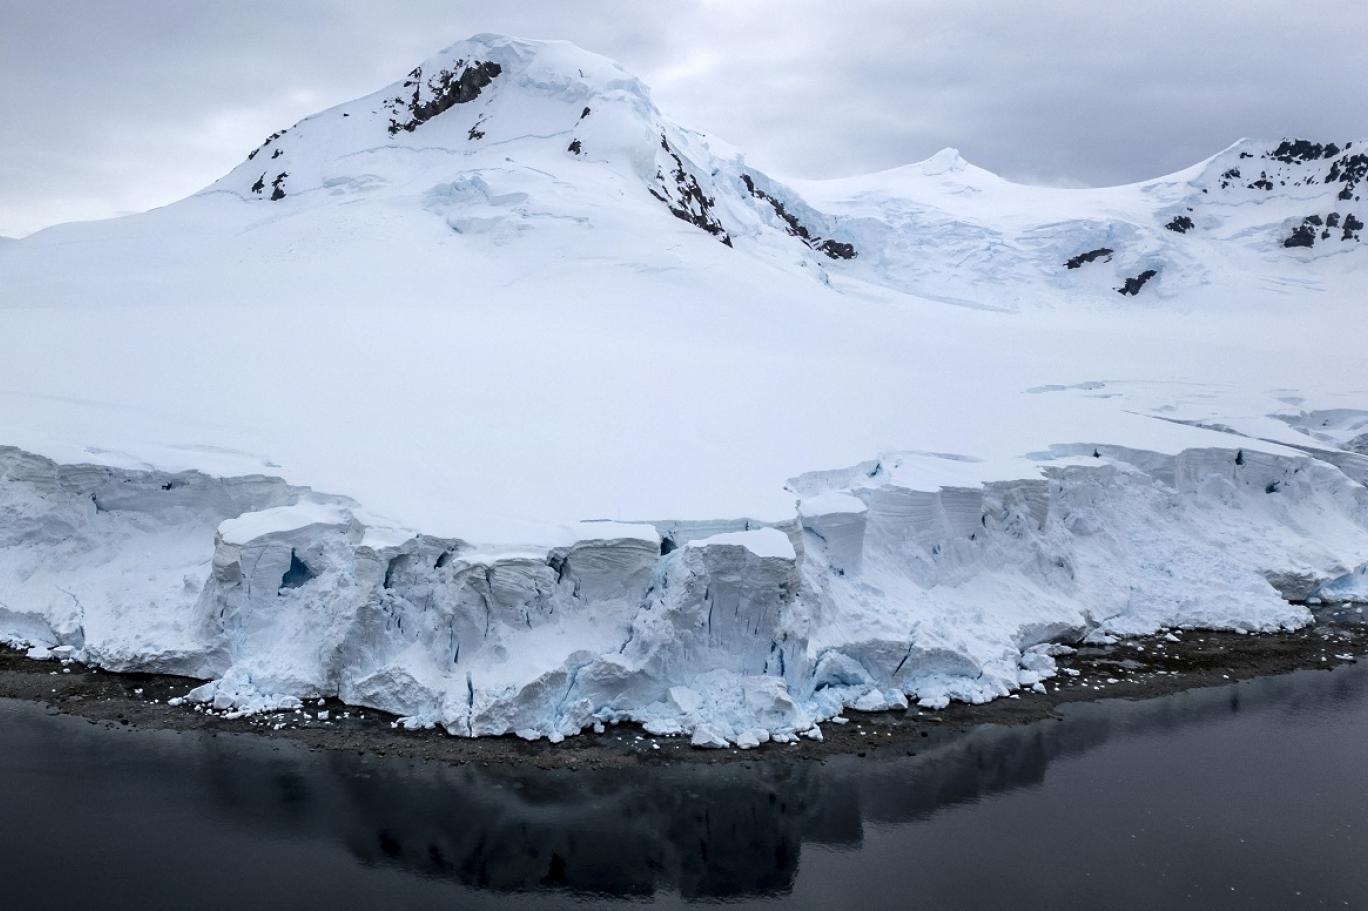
<point x="1131" y="669"/>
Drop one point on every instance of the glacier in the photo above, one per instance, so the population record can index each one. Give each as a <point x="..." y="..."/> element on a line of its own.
<point x="498" y="401"/>
<point x="868" y="596"/>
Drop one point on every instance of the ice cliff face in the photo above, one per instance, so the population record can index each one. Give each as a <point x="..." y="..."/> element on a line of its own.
<point x="348" y="421"/>
<point x="874" y="593"/>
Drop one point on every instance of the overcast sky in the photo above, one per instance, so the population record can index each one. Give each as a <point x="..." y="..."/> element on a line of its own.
<point x="108" y="107"/>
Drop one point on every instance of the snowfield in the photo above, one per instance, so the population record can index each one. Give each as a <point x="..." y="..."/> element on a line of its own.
<point x="499" y="401"/>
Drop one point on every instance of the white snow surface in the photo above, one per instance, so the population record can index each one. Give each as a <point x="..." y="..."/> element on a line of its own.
<point x="762" y="542"/>
<point x="483" y="423"/>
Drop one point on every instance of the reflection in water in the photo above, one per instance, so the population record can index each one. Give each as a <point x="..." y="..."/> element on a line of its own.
<point x="697" y="830"/>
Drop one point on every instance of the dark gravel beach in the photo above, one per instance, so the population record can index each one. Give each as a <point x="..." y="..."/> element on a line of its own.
<point x="1131" y="669"/>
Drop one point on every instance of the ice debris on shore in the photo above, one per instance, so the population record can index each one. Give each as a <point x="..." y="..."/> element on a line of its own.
<point x="1350" y="587"/>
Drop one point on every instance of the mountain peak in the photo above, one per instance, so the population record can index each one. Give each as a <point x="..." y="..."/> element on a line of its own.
<point x="500" y="136"/>
<point x="534" y="64"/>
<point x="948" y="160"/>
<point x="486" y="91"/>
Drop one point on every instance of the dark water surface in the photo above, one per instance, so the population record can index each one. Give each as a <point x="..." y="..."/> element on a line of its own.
<point x="1248" y="796"/>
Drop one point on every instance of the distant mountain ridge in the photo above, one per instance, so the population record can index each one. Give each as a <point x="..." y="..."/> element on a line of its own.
<point x="917" y="228"/>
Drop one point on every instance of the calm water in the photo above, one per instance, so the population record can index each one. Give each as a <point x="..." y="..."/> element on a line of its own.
<point x="1250" y="796"/>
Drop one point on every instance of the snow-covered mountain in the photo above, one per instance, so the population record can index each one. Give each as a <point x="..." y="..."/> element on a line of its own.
<point x="544" y="144"/>
<point x="499" y="400"/>
<point x="937" y="227"/>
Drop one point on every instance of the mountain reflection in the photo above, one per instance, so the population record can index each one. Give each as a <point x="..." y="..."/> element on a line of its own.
<point x="718" y="831"/>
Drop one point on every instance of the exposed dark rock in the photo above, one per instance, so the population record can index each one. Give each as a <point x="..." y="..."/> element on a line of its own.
<point x="685" y="199"/>
<point x="1303" y="235"/>
<point x="450" y="87"/>
<point x="1228" y="176"/>
<point x="1350" y="171"/>
<point x="837" y="249"/>
<point x="575" y="146"/>
<point x="1301" y="150"/>
<point x="269" y="139"/>
<point x="584" y="113"/>
<point x="1133" y="285"/>
<point x="1262" y="183"/>
<point x="260" y="183"/>
<point x="1075" y="262"/>
<point x="1181" y="223"/>
<point x="278" y="186"/>
<point x="833" y="248"/>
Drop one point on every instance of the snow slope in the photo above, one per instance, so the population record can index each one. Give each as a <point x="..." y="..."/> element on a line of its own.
<point x="498" y="400"/>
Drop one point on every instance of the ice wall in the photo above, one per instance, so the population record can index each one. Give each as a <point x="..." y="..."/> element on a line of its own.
<point x="875" y="593"/>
